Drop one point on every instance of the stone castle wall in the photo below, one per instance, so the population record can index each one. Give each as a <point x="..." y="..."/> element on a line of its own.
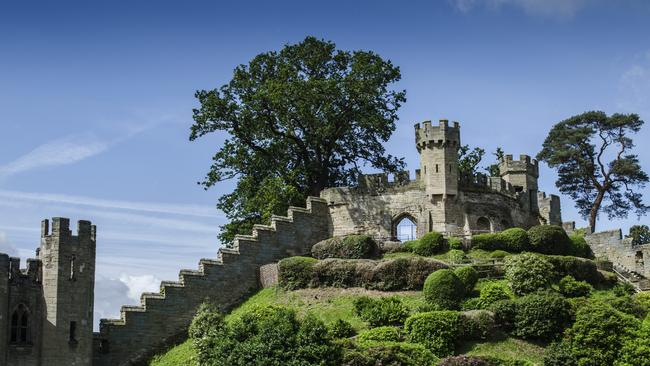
<point x="615" y="248"/>
<point x="163" y="318"/>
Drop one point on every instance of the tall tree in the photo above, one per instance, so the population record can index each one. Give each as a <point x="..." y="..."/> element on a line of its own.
<point x="469" y="159"/>
<point x="493" y="169"/>
<point x="298" y="120"/>
<point x="595" y="165"/>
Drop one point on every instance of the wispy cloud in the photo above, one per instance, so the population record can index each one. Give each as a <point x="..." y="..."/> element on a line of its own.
<point x="54" y="153"/>
<point x="165" y="208"/>
<point x="112" y="293"/>
<point x="543" y="8"/>
<point x="6" y="246"/>
<point x="635" y="86"/>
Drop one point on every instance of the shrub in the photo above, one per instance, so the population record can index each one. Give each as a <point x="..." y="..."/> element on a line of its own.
<point x="488" y="241"/>
<point x="499" y="254"/>
<point x="436" y="330"/>
<point x="399" y="273"/>
<point x="347" y="247"/>
<point x="476" y="324"/>
<point x="628" y="305"/>
<point x="206" y="327"/>
<point x="382" y="311"/>
<point x="542" y="316"/>
<point x="514" y="240"/>
<point x="468" y="276"/>
<point x="569" y="287"/>
<point x="491" y="293"/>
<point x="599" y="333"/>
<point x="559" y="354"/>
<point x="579" y="247"/>
<point x="389" y="353"/>
<point x="579" y="268"/>
<point x="443" y="289"/>
<point x="337" y="273"/>
<point x="473" y="303"/>
<point x="528" y="272"/>
<point x="623" y="289"/>
<point x="505" y="313"/>
<point x="296" y="272"/>
<point x="643" y="299"/>
<point x="470" y="361"/>
<point x="429" y="244"/>
<point x="549" y="239"/>
<point x="455" y="243"/>
<point x="380" y="334"/>
<point x="456" y="256"/>
<point x="409" y="245"/>
<point x="341" y="329"/>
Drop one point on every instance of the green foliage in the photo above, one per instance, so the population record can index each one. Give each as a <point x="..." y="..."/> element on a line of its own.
<point x="514" y="240"/>
<point x="341" y="329"/>
<point x="643" y="299"/>
<point x="476" y="324"/>
<point x="542" y="316"/>
<point x="487" y="241"/>
<point x="579" y="247"/>
<point x="380" y="334"/>
<point x="640" y="234"/>
<point x="577" y="148"/>
<point x="468" y="160"/>
<point x="296" y="272"/>
<point x="569" y="287"/>
<point x="635" y="351"/>
<point x="493" y="170"/>
<point x="389" y="353"/>
<point x="456" y="256"/>
<point x="443" y="289"/>
<point x="579" y="268"/>
<point x="268" y="109"/>
<point x="265" y="336"/>
<point x="491" y="293"/>
<point x="599" y="333"/>
<point x="528" y="272"/>
<point x="464" y="360"/>
<point x="549" y="239"/>
<point x="382" y="311"/>
<point x="505" y="313"/>
<point x="499" y="254"/>
<point x="468" y="276"/>
<point x="623" y="289"/>
<point x="455" y="243"/>
<point x="206" y="326"/>
<point x="436" y="330"/>
<point x="559" y="354"/>
<point x="429" y="244"/>
<point x="347" y="247"/>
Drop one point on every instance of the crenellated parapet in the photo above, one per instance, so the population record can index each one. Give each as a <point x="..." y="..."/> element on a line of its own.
<point x="442" y="134"/>
<point x="379" y="182"/>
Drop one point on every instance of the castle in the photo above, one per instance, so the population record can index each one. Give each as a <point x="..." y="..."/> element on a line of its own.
<point x="46" y="310"/>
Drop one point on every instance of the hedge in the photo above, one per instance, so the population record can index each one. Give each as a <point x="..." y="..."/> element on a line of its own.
<point x="436" y="330"/>
<point x="429" y="244"/>
<point x="371" y="353"/>
<point x="542" y="316"/>
<point x="348" y="247"/>
<point x="443" y="289"/>
<point x="382" y="311"/>
<point x="380" y="334"/>
<point x="579" y="247"/>
<point x="487" y="241"/>
<point x="579" y="268"/>
<point x="468" y="276"/>
<point x="528" y="272"/>
<point x="569" y="287"/>
<point x="296" y="272"/>
<point x="549" y="239"/>
<point x="476" y="324"/>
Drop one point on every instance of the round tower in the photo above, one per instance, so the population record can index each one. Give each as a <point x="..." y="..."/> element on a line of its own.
<point x="438" y="148"/>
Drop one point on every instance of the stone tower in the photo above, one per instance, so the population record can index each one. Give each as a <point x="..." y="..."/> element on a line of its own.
<point x="522" y="173"/>
<point x="68" y="270"/>
<point x="438" y="148"/>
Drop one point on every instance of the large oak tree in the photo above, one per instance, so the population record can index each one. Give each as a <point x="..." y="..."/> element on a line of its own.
<point x="297" y="121"/>
<point x="592" y="153"/>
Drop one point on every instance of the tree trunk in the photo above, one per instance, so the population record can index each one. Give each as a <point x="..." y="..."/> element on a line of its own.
<point x="593" y="213"/>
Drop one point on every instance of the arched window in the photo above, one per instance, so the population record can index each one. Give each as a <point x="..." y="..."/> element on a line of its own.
<point x="20" y="325"/>
<point x="405" y="229"/>
<point x="483" y="224"/>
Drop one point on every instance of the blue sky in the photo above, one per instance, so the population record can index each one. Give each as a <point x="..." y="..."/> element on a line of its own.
<point x="96" y="102"/>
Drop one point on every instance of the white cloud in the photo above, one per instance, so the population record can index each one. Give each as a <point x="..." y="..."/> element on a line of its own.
<point x="635" y="87"/>
<point x="6" y="246"/>
<point x="111" y="294"/>
<point x="544" y="8"/>
<point x="177" y="209"/>
<point x="139" y="284"/>
<point x="54" y="153"/>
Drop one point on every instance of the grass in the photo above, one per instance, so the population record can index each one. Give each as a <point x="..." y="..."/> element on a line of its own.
<point x="506" y="348"/>
<point x="180" y="355"/>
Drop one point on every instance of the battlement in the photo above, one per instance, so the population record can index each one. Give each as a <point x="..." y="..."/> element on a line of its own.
<point x="379" y="182"/>
<point x="10" y="266"/>
<point x="525" y="165"/>
<point x="61" y="229"/>
<point x="441" y="135"/>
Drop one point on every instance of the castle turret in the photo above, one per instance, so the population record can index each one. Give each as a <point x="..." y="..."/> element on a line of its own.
<point x="68" y="272"/>
<point x="522" y="173"/>
<point x="438" y="148"/>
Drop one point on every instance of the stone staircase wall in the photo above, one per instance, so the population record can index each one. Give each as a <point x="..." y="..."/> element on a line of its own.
<point x="162" y="318"/>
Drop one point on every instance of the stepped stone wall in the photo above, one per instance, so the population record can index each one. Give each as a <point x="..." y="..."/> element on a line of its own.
<point x="162" y="318"/>
<point x="614" y="247"/>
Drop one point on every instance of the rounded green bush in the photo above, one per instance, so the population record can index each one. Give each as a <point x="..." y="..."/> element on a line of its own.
<point x="456" y="256"/>
<point x="505" y="312"/>
<point x="487" y="241"/>
<point x="581" y="269"/>
<point x="491" y="293"/>
<point x="579" y="247"/>
<point x="380" y="334"/>
<point x="455" y="243"/>
<point x="542" y="316"/>
<point x="499" y="254"/>
<point x="347" y="247"/>
<point x="429" y="244"/>
<point x="569" y="287"/>
<point x="296" y="272"/>
<point x="436" y="330"/>
<point x="468" y="276"/>
<point x="341" y="329"/>
<point x="514" y="240"/>
<point x="443" y="289"/>
<point x="476" y="324"/>
<point x="549" y="239"/>
<point x="528" y="272"/>
<point x="382" y="311"/>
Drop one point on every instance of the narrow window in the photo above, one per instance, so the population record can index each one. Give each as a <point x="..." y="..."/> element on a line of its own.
<point x="436" y="168"/>
<point x="425" y="169"/>
<point x="449" y="168"/>
<point x="72" y="269"/>
<point x="14" y="327"/>
<point x="73" y="332"/>
<point x="19" y="333"/>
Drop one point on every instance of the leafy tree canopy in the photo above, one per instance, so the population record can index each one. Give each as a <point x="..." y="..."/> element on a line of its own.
<point x="297" y="120"/>
<point x="592" y="154"/>
<point x="640" y="234"/>
<point x="469" y="159"/>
